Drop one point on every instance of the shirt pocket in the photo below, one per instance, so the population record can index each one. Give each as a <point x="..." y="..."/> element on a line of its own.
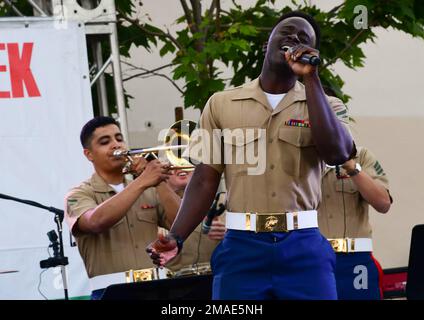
<point x="147" y="215"/>
<point x="242" y="149"/>
<point x="297" y="150"/>
<point x="346" y="186"/>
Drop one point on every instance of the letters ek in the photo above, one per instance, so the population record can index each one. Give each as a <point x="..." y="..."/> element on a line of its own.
<point x="19" y="69"/>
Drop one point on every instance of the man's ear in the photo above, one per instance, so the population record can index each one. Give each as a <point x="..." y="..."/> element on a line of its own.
<point x="264" y="47"/>
<point x="88" y="154"/>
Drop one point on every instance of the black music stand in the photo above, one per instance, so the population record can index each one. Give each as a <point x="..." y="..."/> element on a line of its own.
<point x="415" y="280"/>
<point x="184" y="288"/>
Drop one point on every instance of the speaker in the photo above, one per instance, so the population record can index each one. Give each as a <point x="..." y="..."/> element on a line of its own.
<point x="415" y="279"/>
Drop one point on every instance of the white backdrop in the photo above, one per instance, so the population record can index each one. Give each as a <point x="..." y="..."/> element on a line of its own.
<point x="40" y="157"/>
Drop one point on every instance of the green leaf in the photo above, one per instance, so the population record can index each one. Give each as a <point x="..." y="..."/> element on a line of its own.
<point x="167" y="48"/>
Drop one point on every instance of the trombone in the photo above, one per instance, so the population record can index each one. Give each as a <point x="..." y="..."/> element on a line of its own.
<point x="177" y="139"/>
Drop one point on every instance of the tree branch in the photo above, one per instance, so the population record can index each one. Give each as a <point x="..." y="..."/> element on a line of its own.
<point x="335" y="9"/>
<point x="348" y="45"/>
<point x="141" y="68"/>
<point x="195" y="26"/>
<point x="149" y="73"/>
<point x="197" y="12"/>
<point x="188" y="16"/>
<point x="137" y="23"/>
<point x="218" y="15"/>
<point x="235" y="4"/>
<point x="212" y="7"/>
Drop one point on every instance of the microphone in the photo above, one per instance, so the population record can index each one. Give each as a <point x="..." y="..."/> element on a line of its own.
<point x="57" y="259"/>
<point x="213" y="212"/>
<point x="54" y="244"/>
<point x="305" y="58"/>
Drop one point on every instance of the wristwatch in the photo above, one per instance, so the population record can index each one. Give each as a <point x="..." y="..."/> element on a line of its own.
<point x="355" y="171"/>
<point x="178" y="240"/>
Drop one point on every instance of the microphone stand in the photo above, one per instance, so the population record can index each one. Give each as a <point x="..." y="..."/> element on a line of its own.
<point x="59" y="259"/>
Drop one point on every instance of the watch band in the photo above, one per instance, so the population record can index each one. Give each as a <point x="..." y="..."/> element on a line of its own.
<point x="178" y="240"/>
<point x="355" y="171"/>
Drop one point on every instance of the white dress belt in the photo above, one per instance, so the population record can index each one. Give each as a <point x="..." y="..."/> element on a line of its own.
<point x="350" y="245"/>
<point x="294" y="220"/>
<point x="360" y="244"/>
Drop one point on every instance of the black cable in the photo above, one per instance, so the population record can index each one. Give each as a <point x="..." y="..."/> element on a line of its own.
<point x="341" y="177"/>
<point x="196" y="262"/>
<point x="344" y="210"/>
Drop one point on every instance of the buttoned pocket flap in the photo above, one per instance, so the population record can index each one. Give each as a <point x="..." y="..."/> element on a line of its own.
<point x="346" y="186"/>
<point x="147" y="215"/>
<point x="299" y="137"/>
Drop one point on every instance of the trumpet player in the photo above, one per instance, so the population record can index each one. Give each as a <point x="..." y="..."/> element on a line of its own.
<point x="112" y="217"/>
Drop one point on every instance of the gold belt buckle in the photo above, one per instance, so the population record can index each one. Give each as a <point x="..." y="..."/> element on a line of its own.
<point x="271" y="222"/>
<point x="144" y="275"/>
<point x="339" y="245"/>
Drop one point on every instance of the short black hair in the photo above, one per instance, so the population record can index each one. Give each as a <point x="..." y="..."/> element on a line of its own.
<point x="91" y="126"/>
<point x="308" y="18"/>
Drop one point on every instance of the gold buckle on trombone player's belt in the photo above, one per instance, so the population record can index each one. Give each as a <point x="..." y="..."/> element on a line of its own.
<point x="147" y="274"/>
<point x="271" y="222"/>
<point x="342" y="245"/>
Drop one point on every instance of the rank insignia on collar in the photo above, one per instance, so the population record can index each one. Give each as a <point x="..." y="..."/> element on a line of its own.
<point x="298" y="123"/>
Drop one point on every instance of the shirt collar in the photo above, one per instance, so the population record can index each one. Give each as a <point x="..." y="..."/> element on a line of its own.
<point x="253" y="90"/>
<point x="99" y="185"/>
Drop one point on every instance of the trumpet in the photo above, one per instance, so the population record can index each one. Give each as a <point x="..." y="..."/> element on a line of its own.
<point x="178" y="133"/>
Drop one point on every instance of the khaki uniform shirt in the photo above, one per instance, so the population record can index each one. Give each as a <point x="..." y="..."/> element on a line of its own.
<point x="122" y="247"/>
<point x="197" y="249"/>
<point x="332" y="213"/>
<point x="291" y="178"/>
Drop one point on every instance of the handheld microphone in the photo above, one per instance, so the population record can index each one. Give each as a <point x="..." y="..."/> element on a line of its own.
<point x="305" y="58"/>
<point x="213" y="212"/>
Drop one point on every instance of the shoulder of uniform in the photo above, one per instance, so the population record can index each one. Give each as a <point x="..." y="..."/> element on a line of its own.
<point x="83" y="187"/>
<point x="338" y="107"/>
<point x="227" y="93"/>
<point x="335" y="102"/>
<point x="234" y="88"/>
<point x="366" y="155"/>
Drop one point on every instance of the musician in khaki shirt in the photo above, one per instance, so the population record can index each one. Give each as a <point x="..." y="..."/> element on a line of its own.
<point x="343" y="218"/>
<point x="273" y="248"/>
<point x="198" y="247"/>
<point x="111" y="217"/>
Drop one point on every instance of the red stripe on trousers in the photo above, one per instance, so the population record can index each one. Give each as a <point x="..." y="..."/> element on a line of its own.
<point x="380" y="275"/>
